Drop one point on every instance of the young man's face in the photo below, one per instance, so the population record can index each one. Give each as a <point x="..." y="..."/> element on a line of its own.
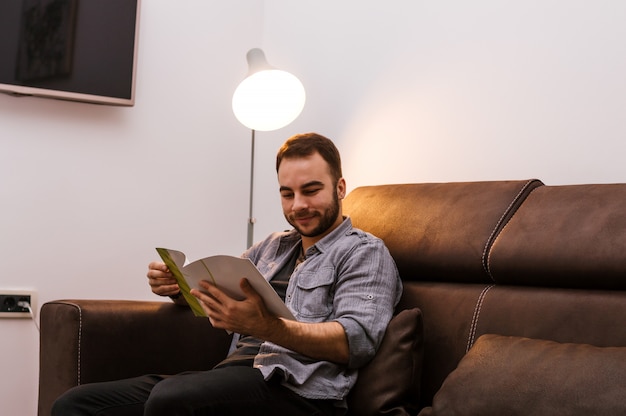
<point x="309" y="198"/>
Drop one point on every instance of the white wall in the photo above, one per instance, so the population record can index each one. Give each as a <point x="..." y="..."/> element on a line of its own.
<point x="417" y="91"/>
<point x="87" y="192"/>
<point x="411" y="91"/>
<point x="457" y="90"/>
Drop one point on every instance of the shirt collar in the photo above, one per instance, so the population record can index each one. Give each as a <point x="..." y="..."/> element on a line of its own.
<point x="328" y="240"/>
<point x="290" y="239"/>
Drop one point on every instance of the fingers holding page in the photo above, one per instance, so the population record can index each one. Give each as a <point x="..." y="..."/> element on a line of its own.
<point x="161" y="280"/>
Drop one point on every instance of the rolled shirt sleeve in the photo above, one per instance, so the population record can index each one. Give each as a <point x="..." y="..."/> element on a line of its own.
<point x="367" y="291"/>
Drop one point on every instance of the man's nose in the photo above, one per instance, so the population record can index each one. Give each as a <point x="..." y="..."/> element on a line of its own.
<point x="299" y="202"/>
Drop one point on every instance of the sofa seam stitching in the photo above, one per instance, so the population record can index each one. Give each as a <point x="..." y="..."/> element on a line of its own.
<point x="504" y="228"/>
<point x="499" y="226"/>
<point x="476" y="315"/>
<point x="80" y="336"/>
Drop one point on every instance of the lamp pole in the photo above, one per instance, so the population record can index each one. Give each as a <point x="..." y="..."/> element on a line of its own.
<point x="251" y="219"/>
<point x="267" y="99"/>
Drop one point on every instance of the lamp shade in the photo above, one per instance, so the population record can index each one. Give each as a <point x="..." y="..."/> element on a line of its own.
<point x="267" y="99"/>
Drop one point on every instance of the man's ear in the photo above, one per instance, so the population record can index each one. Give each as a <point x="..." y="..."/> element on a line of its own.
<point x="341" y="188"/>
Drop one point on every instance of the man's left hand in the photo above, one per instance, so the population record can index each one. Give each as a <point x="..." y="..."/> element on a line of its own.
<point x="248" y="316"/>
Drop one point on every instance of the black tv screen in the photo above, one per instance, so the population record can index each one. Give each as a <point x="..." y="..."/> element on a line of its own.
<point x="82" y="50"/>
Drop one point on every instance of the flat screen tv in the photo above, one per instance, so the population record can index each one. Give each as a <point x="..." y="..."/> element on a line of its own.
<point x="81" y="50"/>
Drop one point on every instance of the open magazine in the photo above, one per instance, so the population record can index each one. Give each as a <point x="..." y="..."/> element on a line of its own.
<point x="225" y="272"/>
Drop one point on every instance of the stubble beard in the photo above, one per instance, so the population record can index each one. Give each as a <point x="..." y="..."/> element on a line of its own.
<point x="326" y="219"/>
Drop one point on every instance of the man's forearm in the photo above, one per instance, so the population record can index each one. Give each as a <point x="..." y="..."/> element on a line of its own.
<point x="323" y="341"/>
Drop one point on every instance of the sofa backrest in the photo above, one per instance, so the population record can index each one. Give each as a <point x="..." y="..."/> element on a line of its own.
<point x="515" y="258"/>
<point x="504" y="232"/>
<point x="565" y="236"/>
<point x="438" y="231"/>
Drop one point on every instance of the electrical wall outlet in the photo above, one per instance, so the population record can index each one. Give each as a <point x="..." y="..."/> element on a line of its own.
<point x="11" y="303"/>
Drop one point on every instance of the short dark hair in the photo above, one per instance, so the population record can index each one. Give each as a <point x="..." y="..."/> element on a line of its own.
<point x="306" y="144"/>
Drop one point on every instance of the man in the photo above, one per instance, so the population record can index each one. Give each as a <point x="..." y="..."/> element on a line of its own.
<point x="340" y="283"/>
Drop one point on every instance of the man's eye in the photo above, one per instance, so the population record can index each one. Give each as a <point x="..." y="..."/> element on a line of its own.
<point x="286" y="195"/>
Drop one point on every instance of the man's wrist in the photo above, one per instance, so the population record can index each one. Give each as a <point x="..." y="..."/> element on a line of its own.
<point x="176" y="296"/>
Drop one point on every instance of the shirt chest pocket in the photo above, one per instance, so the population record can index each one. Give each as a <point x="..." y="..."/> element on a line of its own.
<point x="313" y="294"/>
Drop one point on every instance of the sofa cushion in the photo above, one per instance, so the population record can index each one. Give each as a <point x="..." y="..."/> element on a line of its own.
<point x="522" y="376"/>
<point x="389" y="384"/>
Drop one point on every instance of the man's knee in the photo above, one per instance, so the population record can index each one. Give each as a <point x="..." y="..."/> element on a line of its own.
<point x="69" y="404"/>
<point x="164" y="400"/>
<point x="93" y="400"/>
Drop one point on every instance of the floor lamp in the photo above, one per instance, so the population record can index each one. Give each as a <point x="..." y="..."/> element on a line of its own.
<point x="267" y="99"/>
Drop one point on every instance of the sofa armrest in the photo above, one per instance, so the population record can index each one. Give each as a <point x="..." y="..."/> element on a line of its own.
<point x="85" y="341"/>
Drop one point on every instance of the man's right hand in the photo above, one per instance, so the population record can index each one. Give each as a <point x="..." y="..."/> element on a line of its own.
<point x="161" y="280"/>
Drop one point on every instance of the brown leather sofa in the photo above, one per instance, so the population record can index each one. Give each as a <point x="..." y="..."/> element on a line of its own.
<point x="514" y="303"/>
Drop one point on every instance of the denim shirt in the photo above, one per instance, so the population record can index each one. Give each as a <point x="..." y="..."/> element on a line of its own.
<point x="348" y="277"/>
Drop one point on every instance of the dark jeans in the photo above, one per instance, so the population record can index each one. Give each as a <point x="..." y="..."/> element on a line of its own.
<point x="222" y="391"/>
